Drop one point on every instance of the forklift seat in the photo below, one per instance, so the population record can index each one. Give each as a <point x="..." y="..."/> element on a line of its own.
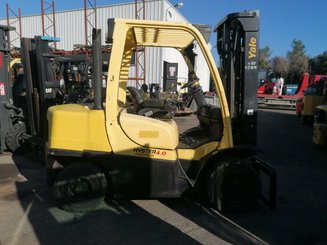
<point x="209" y="130"/>
<point x="155" y="108"/>
<point x="210" y="118"/>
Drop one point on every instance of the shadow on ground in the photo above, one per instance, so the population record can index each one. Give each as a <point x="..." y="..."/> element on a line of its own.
<point x="171" y="221"/>
<point x="301" y="215"/>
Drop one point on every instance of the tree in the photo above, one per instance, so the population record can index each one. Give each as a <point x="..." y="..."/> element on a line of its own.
<point x="264" y="56"/>
<point x="318" y="64"/>
<point x="279" y="65"/>
<point x="298" y="61"/>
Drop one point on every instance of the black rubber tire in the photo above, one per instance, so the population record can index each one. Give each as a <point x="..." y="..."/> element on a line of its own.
<point x="232" y="185"/>
<point x="80" y="187"/>
<point x="14" y="137"/>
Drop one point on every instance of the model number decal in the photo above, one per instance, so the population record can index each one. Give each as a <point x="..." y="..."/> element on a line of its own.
<point x="148" y="152"/>
<point x="2" y="89"/>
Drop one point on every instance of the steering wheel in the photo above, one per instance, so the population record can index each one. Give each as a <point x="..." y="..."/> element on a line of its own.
<point x="188" y="84"/>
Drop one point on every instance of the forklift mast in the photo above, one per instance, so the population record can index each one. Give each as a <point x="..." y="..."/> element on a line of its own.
<point x="5" y="86"/>
<point x="39" y="80"/>
<point x="238" y="48"/>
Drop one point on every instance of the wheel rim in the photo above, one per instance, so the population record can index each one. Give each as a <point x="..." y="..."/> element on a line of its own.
<point x="79" y="189"/>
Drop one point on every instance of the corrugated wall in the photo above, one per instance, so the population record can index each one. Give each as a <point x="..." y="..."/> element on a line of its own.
<point x="70" y="29"/>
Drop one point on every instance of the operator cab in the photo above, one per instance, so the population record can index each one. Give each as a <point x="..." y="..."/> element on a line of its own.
<point x="205" y="125"/>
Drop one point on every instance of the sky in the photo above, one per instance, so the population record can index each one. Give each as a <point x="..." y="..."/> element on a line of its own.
<point x="281" y="21"/>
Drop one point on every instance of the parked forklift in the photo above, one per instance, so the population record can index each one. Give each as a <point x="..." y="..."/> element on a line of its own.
<point x="12" y="124"/>
<point x="44" y="79"/>
<point x="320" y="126"/>
<point x="25" y="95"/>
<point x="109" y="149"/>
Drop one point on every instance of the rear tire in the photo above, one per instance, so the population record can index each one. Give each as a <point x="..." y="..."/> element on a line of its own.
<point x="80" y="187"/>
<point x="232" y="185"/>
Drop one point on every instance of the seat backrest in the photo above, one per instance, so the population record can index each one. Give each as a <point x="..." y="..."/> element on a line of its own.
<point x="210" y="118"/>
<point x="136" y="97"/>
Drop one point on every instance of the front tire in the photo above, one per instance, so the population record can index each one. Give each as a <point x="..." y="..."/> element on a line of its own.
<point x="80" y="187"/>
<point x="232" y="185"/>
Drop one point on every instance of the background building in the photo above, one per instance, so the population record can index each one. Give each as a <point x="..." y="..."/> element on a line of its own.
<point x="70" y="27"/>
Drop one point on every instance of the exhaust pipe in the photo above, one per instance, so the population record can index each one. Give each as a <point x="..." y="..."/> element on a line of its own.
<point x="97" y="68"/>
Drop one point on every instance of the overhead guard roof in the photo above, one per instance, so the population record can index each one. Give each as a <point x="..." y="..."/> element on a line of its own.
<point x="162" y="37"/>
<point x="156" y="33"/>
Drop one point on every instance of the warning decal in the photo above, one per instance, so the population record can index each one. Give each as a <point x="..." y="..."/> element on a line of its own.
<point x="2" y="89"/>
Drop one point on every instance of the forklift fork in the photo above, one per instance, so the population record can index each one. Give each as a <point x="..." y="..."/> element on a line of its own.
<point x="270" y="197"/>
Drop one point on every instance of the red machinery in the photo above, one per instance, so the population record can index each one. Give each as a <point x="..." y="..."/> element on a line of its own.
<point x="266" y="97"/>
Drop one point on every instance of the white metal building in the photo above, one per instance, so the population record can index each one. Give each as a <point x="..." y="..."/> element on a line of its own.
<point x="70" y="29"/>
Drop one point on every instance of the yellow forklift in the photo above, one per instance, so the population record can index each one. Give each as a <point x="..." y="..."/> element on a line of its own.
<point x="114" y="150"/>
